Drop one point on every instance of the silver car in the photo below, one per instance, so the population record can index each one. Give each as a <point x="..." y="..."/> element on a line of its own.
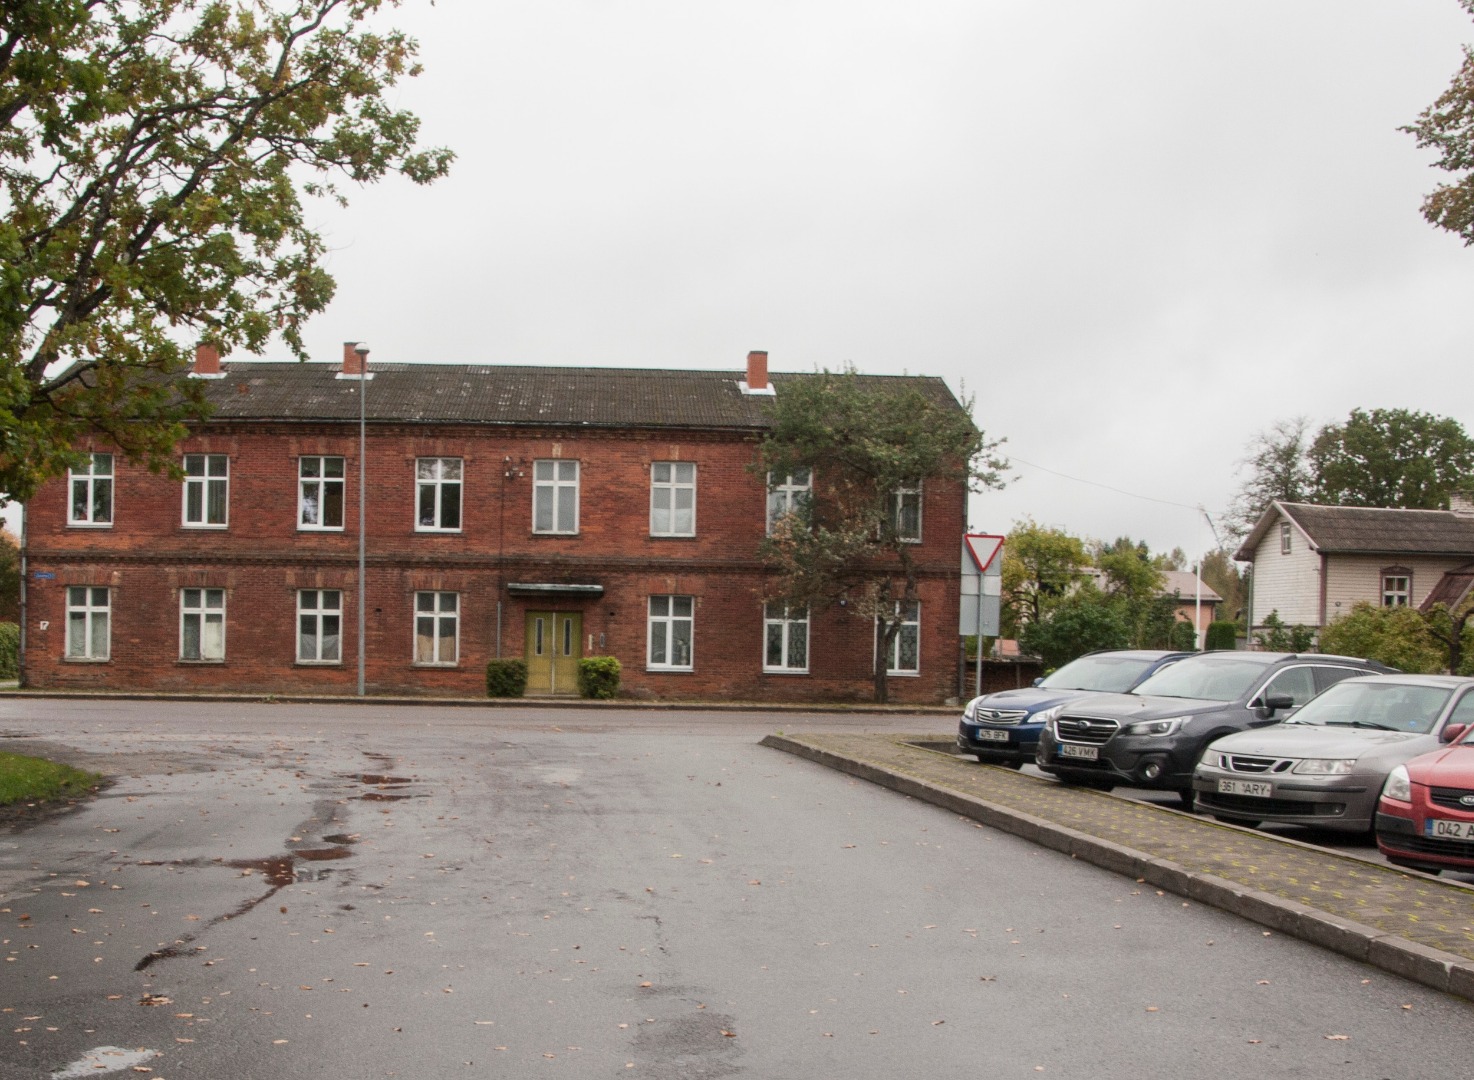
<point x="1325" y="765"/>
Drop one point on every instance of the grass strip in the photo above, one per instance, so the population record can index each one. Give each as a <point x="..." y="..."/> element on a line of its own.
<point x="31" y="780"/>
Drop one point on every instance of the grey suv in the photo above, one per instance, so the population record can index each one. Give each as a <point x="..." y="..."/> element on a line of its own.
<point x="1153" y="736"/>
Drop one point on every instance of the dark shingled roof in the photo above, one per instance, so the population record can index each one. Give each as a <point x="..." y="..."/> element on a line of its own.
<point x="506" y="395"/>
<point x="1450" y="589"/>
<point x="1365" y="530"/>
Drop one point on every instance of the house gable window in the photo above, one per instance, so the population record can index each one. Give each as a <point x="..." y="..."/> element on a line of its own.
<point x="673" y="498"/>
<point x="669" y="632"/>
<point x="202" y="624"/>
<point x="1397" y="586"/>
<point x="438" y="494"/>
<point x="92" y="492"/>
<point x="319" y="626"/>
<point x="555" y="496"/>
<point x="785" y="639"/>
<point x="206" y="491"/>
<point x="904" y="657"/>
<point x="788" y="494"/>
<point x="1284" y="537"/>
<point x="437" y="628"/>
<point x="320" y="493"/>
<point x="906" y="513"/>
<point x="89" y="622"/>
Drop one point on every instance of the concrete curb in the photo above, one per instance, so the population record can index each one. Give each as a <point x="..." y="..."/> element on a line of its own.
<point x="1440" y="970"/>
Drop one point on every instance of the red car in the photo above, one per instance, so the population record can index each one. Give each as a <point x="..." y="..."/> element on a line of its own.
<point x="1425" y="818"/>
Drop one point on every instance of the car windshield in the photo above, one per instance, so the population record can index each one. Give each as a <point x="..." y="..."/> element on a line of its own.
<point x="1389" y="706"/>
<point x="1208" y="678"/>
<point x="1107" y="674"/>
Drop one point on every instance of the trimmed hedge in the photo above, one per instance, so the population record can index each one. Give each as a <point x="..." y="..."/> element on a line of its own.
<point x="1223" y="634"/>
<point x="9" y="650"/>
<point x="506" y="678"/>
<point x="598" y="677"/>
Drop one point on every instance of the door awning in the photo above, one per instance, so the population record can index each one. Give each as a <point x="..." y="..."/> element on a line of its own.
<point x="552" y="588"/>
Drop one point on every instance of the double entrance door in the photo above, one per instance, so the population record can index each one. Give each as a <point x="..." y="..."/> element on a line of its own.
<point x="553" y="647"/>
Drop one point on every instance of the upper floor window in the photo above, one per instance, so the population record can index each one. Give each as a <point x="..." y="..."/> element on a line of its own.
<point x="92" y="492"/>
<point x="785" y="638"/>
<point x="673" y="498"/>
<point x="554" y="496"/>
<point x="672" y="620"/>
<point x="89" y="622"/>
<point x="320" y="493"/>
<point x="906" y="513"/>
<point x="904" y="657"/>
<point x="1284" y="537"/>
<point x="788" y="494"/>
<point x="1397" y="587"/>
<point x="438" y="494"/>
<point x="202" y="624"/>
<point x="319" y="626"/>
<point x="437" y="625"/>
<point x="206" y="490"/>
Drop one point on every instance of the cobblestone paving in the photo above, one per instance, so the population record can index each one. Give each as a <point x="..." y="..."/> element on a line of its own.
<point x="1425" y="911"/>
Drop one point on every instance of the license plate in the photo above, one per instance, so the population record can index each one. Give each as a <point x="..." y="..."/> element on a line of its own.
<point x="989" y="735"/>
<point x="1260" y="789"/>
<point x="1443" y="829"/>
<point x="1084" y="753"/>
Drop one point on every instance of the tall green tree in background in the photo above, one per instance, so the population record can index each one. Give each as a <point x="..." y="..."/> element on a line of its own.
<point x="1447" y="127"/>
<point x="865" y="440"/>
<point x="1278" y="470"/>
<point x="154" y="156"/>
<point x="1391" y="457"/>
<point x="1040" y="567"/>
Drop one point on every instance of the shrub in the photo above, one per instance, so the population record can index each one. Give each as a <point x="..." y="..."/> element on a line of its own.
<point x="9" y="650"/>
<point x="506" y="678"/>
<point x="1223" y="634"/>
<point x="598" y="677"/>
<point x="1397" y="636"/>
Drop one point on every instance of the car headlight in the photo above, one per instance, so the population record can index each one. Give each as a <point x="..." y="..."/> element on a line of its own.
<point x="1213" y="760"/>
<point x="1398" y="786"/>
<point x="971" y="712"/>
<point x="1047" y="717"/>
<point x="1325" y="766"/>
<point x="1157" y="728"/>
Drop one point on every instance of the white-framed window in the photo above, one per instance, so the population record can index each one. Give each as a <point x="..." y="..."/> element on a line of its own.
<point x="437" y="627"/>
<point x="785" y="638"/>
<point x="906" y="513"/>
<point x="1397" y="587"/>
<point x="202" y="624"/>
<point x="319" y="626"/>
<point x="788" y="494"/>
<point x="904" y="657"/>
<point x="92" y="492"/>
<point x="673" y="498"/>
<point x="1284" y="537"/>
<point x="438" y="494"/>
<point x="554" y="496"/>
<point x="320" y="493"/>
<point x="672" y="619"/>
<point x="206" y="490"/>
<point x="89" y="622"/>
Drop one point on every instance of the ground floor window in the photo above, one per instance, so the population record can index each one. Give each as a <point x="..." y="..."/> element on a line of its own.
<point x="904" y="657"/>
<point x="786" y="638"/>
<point x="202" y="624"/>
<point x="1397" y="587"/>
<point x="89" y="622"/>
<point x="319" y="626"/>
<point x="437" y="625"/>
<point x="669" y="641"/>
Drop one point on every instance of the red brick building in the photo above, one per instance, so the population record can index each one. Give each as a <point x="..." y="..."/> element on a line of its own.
<point x="545" y="513"/>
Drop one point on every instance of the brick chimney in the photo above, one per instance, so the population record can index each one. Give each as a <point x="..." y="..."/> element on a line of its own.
<point x="352" y="361"/>
<point x="1461" y="503"/>
<point x="757" y="373"/>
<point x="206" y="362"/>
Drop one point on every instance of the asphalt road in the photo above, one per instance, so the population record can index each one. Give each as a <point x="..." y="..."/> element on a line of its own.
<point x="349" y="892"/>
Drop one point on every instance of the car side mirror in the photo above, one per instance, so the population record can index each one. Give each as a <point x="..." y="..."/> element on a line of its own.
<point x="1452" y="732"/>
<point x="1037" y="681"/>
<point x="1277" y="703"/>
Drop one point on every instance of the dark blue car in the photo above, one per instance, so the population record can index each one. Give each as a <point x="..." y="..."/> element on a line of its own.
<point x="1003" y="728"/>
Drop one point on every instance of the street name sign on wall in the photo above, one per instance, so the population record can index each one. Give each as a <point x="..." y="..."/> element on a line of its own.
<point x="982" y="584"/>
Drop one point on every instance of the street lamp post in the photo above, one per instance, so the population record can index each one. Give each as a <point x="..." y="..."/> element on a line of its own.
<point x="362" y="350"/>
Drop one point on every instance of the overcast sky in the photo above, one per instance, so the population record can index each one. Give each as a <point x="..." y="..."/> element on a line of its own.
<point x="1136" y="232"/>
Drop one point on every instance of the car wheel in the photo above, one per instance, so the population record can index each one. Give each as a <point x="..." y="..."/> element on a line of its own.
<point x="1187" y="797"/>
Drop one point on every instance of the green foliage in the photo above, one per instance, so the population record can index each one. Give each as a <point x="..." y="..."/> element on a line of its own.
<point x="1397" y="636"/>
<point x="506" y="678"/>
<point x="1040" y="567"/>
<point x="1277" y="637"/>
<point x="9" y="650"/>
<point x="1391" y="457"/>
<point x="154" y="156"/>
<point x="30" y="779"/>
<point x="9" y="577"/>
<point x="1182" y="637"/>
<point x="1222" y="575"/>
<point x="1222" y="634"/>
<point x="1080" y="623"/>
<point x="1279" y="470"/>
<point x="598" y="677"/>
<point x="1447" y="127"/>
<point x="864" y="439"/>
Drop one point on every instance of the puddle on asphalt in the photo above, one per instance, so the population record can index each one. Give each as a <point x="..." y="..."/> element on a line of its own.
<point x="381" y="796"/>
<point x="384" y="781"/>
